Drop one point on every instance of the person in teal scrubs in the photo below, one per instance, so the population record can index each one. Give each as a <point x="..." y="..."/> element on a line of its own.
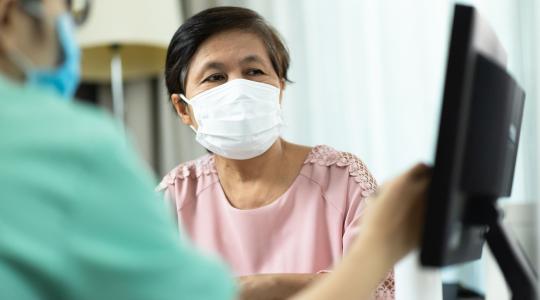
<point x="79" y="218"/>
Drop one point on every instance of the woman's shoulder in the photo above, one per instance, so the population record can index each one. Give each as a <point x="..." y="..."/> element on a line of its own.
<point x="328" y="165"/>
<point x="190" y="171"/>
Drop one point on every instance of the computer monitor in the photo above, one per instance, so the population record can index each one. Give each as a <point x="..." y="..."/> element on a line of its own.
<point x="476" y="152"/>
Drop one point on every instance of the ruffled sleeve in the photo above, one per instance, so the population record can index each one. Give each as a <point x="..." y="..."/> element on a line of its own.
<point x="181" y="184"/>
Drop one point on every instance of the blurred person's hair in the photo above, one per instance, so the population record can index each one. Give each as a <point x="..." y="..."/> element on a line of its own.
<point x="197" y="29"/>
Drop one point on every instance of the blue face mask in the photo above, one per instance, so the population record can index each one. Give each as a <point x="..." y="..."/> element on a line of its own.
<point x="64" y="79"/>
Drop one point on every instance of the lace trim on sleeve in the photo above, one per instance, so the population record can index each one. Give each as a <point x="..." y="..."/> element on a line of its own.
<point x="193" y="169"/>
<point x="387" y="289"/>
<point x="327" y="156"/>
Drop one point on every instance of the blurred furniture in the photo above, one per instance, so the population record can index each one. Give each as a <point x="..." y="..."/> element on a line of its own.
<point x="126" y="40"/>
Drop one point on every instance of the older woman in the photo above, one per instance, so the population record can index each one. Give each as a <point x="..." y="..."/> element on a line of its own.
<point x="278" y="213"/>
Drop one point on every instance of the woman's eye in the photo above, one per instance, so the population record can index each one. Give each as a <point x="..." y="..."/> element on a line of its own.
<point x="254" y="72"/>
<point x="214" y="78"/>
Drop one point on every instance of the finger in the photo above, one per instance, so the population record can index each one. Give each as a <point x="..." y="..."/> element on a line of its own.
<point x="416" y="192"/>
<point x="410" y="180"/>
<point x="419" y="170"/>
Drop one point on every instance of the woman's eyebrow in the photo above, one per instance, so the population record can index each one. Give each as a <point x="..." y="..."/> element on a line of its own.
<point x="213" y="65"/>
<point x="251" y="59"/>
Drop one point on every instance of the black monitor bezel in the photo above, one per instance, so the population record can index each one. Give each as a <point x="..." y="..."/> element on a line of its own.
<point x="470" y="37"/>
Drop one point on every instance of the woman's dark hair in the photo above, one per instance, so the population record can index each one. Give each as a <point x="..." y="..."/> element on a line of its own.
<point x="197" y="29"/>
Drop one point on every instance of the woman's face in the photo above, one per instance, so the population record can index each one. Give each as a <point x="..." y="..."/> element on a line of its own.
<point x="226" y="56"/>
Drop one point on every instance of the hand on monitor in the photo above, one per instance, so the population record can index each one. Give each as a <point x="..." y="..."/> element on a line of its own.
<point x="394" y="215"/>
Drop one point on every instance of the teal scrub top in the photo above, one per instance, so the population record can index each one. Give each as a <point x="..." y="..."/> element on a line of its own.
<point x="79" y="218"/>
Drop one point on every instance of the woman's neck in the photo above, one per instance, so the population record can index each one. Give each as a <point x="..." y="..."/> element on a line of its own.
<point x="256" y="182"/>
<point x="265" y="166"/>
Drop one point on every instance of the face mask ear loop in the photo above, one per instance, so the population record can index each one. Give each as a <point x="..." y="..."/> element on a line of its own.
<point x="185" y="99"/>
<point x="189" y="103"/>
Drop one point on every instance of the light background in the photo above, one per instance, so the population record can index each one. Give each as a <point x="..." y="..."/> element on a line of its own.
<point x="368" y="80"/>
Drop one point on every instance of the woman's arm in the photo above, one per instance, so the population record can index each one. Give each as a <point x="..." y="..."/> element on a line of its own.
<point x="390" y="230"/>
<point x="274" y="286"/>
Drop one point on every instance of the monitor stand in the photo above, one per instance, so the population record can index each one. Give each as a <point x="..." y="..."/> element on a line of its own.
<point x="516" y="268"/>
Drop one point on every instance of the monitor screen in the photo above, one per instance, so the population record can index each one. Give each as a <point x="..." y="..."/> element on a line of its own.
<point x="477" y="144"/>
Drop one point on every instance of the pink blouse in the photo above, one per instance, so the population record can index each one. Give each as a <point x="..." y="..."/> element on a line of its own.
<point x="306" y="230"/>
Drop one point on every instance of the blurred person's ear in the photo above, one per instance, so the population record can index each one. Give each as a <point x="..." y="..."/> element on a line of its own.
<point x="3" y="7"/>
<point x="28" y="37"/>
<point x="10" y="27"/>
<point x="7" y="8"/>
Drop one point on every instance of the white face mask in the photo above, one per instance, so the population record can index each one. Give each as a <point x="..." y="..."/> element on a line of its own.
<point x="240" y="119"/>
